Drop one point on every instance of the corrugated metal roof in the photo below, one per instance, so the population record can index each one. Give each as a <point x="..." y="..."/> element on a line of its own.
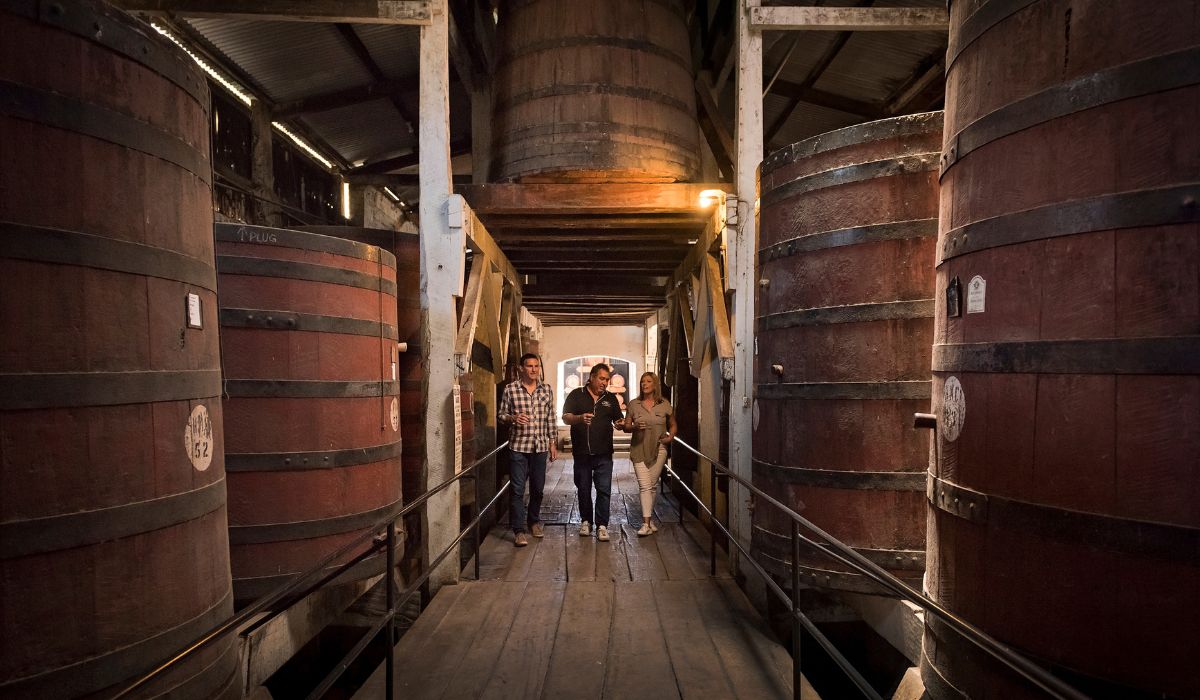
<point x="396" y="48"/>
<point x="289" y="60"/>
<point x="368" y="131"/>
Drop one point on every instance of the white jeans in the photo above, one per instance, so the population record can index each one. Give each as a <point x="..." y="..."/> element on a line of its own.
<point x="647" y="476"/>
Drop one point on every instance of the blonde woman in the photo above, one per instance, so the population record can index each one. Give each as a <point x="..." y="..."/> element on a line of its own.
<point x="652" y="422"/>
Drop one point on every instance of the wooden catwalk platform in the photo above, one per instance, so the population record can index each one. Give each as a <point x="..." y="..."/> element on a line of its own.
<point x="572" y="617"/>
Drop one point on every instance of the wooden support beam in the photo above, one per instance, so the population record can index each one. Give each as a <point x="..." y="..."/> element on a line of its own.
<point x="720" y="316"/>
<point x="814" y="74"/>
<point x="408" y="160"/>
<point x="442" y="264"/>
<point x="360" y="50"/>
<point x="828" y="100"/>
<point x="468" y="321"/>
<point x="477" y="237"/>
<point x="702" y="247"/>
<point x="397" y="181"/>
<point x="741" y="235"/>
<point x="545" y="199"/>
<point x="343" y="98"/>
<point x="355" y="11"/>
<point x="855" y="19"/>
<point x="929" y="77"/>
<point x="715" y="132"/>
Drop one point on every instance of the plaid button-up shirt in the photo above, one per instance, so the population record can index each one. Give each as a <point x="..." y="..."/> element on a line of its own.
<point x="536" y="436"/>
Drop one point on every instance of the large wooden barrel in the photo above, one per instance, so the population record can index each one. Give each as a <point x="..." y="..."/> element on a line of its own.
<point x="595" y="91"/>
<point x="1065" y="501"/>
<point x="313" y="412"/>
<point x="113" y="550"/>
<point x="407" y="249"/>
<point x="844" y="335"/>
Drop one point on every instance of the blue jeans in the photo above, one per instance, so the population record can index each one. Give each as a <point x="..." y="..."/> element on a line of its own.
<point x="594" y="469"/>
<point x="526" y="467"/>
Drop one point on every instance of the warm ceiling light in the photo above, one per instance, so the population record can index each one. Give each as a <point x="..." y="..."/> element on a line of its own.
<point x="710" y="197"/>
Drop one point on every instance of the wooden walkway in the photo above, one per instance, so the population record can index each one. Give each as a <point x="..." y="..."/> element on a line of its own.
<point x="572" y="617"/>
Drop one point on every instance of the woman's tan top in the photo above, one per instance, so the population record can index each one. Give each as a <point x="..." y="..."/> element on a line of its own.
<point x="645" y="444"/>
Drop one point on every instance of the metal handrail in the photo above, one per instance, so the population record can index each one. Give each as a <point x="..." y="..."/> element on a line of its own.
<point x="287" y="589"/>
<point x="1002" y="652"/>
<point x="798" y="615"/>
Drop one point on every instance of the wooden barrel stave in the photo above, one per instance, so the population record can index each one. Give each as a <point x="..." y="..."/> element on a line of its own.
<point x="848" y="220"/>
<point x="1065" y="185"/>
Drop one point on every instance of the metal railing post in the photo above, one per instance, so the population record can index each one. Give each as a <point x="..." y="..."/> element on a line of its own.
<point x="712" y="514"/>
<point x="478" y="527"/>
<point x="797" y="628"/>
<point x="390" y="628"/>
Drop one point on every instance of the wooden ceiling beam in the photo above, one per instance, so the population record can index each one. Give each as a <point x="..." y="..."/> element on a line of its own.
<point x="814" y="74"/>
<point x="828" y="100"/>
<point x="876" y="19"/>
<point x="545" y="199"/>
<point x="927" y="81"/>
<point x="349" y="97"/>
<point x="355" y="43"/>
<point x="355" y="11"/>
<point x="407" y="160"/>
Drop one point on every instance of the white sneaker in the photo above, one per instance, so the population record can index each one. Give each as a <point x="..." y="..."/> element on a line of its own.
<point x="602" y="533"/>
<point x="585" y="529"/>
<point x="644" y="530"/>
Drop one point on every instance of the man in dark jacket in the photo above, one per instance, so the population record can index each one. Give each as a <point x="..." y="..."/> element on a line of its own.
<point x="591" y="411"/>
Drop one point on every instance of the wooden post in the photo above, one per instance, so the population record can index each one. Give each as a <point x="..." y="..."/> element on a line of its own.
<point x="262" y="165"/>
<point x="741" y="255"/>
<point x="481" y="134"/>
<point x="442" y="265"/>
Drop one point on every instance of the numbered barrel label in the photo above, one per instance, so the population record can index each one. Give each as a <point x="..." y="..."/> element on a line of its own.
<point x="198" y="438"/>
<point x="954" y="409"/>
<point x="395" y="414"/>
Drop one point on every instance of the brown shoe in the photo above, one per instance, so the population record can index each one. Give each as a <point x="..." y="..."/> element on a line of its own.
<point x="538" y="529"/>
<point x="521" y="540"/>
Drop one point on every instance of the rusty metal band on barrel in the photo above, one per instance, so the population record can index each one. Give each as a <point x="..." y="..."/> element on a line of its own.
<point x="268" y="319"/>
<point x="1171" y="71"/>
<point x="308" y="389"/>
<point x="296" y="461"/>
<point x="308" y="529"/>
<point x="1124" y="535"/>
<point x="849" y="391"/>
<point x="849" y="174"/>
<point x="106" y="670"/>
<point x="910" y="559"/>
<point x="854" y="235"/>
<point x="857" y="135"/>
<point x="987" y="16"/>
<point x="252" y="587"/>
<point x="851" y="313"/>
<point x="594" y="131"/>
<point x="307" y="272"/>
<point x="840" y="479"/>
<point x="63" y="247"/>
<point x="593" y="41"/>
<point x="104" y="26"/>
<point x="571" y="89"/>
<point x="94" y="121"/>
<point x="22" y="538"/>
<point x="825" y="578"/>
<point x="84" y="389"/>
<point x="1163" y="206"/>
<point x="1172" y="355"/>
<point x="302" y="240"/>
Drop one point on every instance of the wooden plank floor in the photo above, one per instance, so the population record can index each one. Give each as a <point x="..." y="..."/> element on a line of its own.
<point x="572" y="617"/>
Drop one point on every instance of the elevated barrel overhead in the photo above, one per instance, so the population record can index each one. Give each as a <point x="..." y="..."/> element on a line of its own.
<point x="113" y="548"/>
<point x="313" y="412"/>
<point x="595" y="92"/>
<point x="844" y="335"/>
<point x="1065" y="501"/>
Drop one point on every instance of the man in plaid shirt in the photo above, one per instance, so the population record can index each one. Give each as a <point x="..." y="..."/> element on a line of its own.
<point x="528" y="408"/>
